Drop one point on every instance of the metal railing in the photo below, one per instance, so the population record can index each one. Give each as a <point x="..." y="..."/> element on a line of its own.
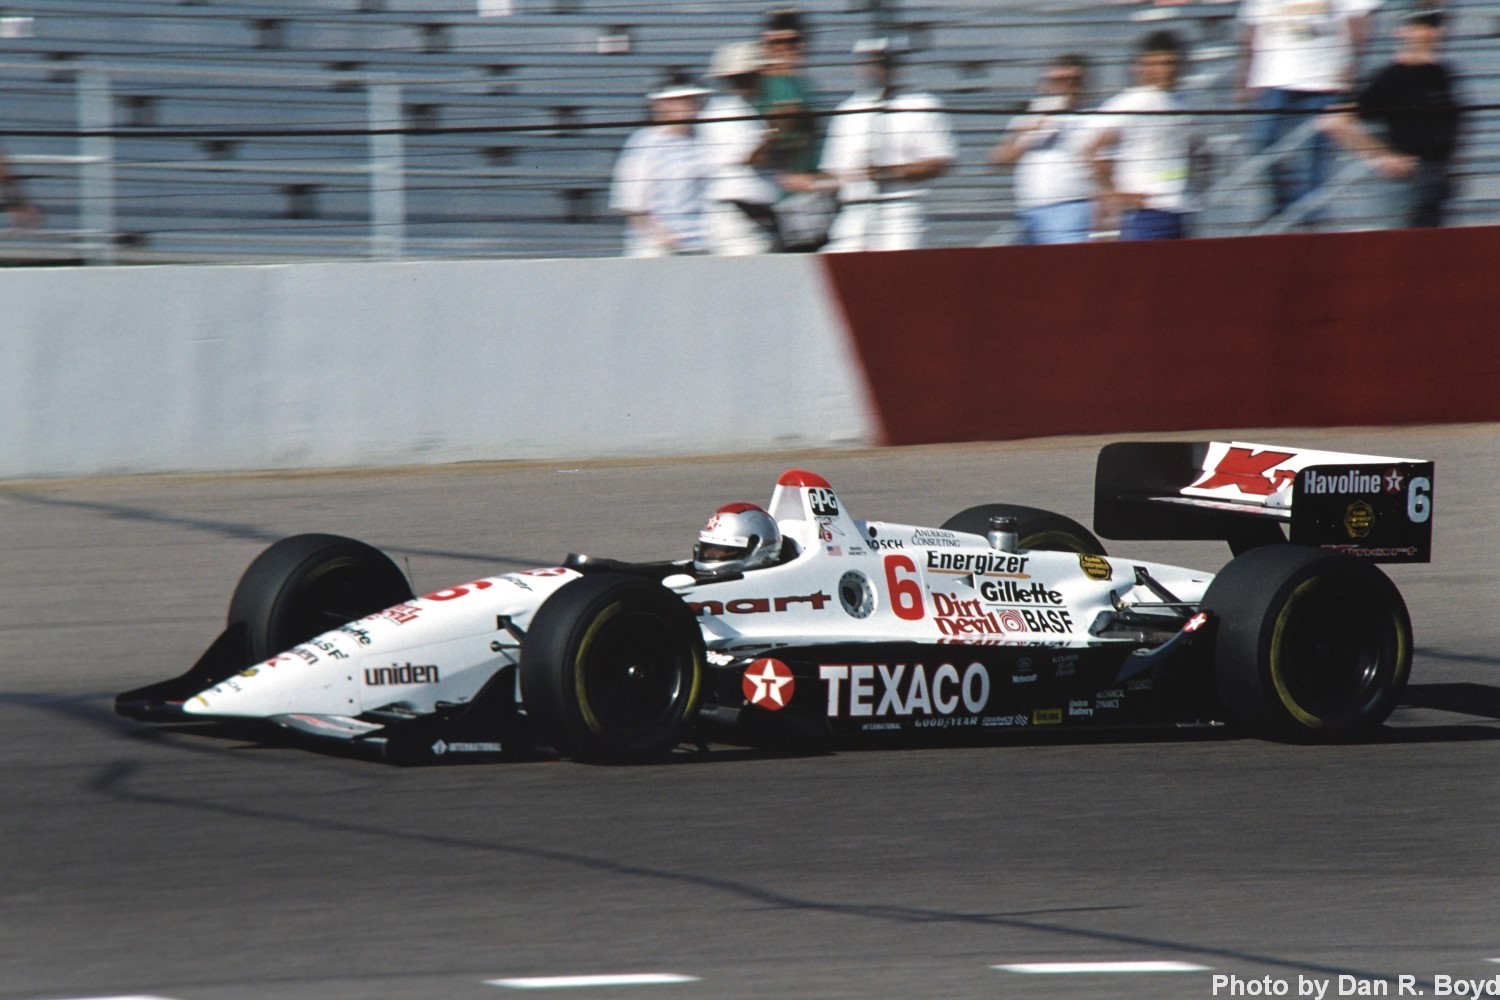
<point x="387" y="173"/>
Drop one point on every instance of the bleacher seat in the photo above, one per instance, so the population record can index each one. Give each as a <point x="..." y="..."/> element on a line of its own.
<point x="503" y="156"/>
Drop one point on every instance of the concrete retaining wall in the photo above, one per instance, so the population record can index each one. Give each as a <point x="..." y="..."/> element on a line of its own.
<point x="163" y="369"/>
<point x="310" y="366"/>
<point x="1381" y="328"/>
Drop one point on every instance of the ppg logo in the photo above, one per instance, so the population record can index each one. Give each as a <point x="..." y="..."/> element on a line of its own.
<point x="823" y="502"/>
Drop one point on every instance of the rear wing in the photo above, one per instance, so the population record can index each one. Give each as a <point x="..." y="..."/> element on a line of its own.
<point x="1363" y="505"/>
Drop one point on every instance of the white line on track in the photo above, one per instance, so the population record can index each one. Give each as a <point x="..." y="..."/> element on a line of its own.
<point x="1084" y="968"/>
<point x="583" y="982"/>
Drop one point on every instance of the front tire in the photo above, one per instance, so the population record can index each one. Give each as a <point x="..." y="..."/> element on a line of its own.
<point x="1035" y="528"/>
<point x="1311" y="646"/>
<point x="305" y="585"/>
<point x="612" y="669"/>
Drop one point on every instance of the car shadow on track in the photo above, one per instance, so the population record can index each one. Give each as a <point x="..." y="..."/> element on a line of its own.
<point x="117" y="781"/>
<point x="1470" y="699"/>
<point x="1479" y="702"/>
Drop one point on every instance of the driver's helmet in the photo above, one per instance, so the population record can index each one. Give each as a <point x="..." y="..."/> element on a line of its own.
<point x="738" y="537"/>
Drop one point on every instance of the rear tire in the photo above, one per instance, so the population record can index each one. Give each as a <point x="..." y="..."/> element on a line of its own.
<point x="612" y="669"/>
<point x="1311" y="646"/>
<point x="307" y="584"/>
<point x="1035" y="528"/>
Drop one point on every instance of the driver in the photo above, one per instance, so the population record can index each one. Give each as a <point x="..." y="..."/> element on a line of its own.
<point x="739" y="536"/>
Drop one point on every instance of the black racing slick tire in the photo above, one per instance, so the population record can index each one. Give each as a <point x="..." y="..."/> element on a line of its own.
<point x="304" y="585"/>
<point x="1311" y="646"/>
<point x="612" y="669"/>
<point x="1035" y="528"/>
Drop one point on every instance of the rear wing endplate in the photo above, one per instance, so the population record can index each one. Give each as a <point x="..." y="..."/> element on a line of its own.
<point x="1246" y="494"/>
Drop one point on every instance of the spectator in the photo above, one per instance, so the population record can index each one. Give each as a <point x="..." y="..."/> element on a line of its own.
<point x="23" y="214"/>
<point x="1414" y="103"/>
<point x="661" y="175"/>
<point x="787" y="101"/>
<point x="1046" y="146"/>
<point x="1141" y="147"/>
<point x="882" y="146"/>
<point x="735" y="143"/>
<point x="1297" y="58"/>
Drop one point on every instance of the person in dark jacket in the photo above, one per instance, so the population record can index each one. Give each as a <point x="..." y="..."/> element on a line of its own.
<point x="1405" y="123"/>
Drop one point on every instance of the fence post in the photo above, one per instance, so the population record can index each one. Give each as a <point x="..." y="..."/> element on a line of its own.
<point x="96" y="170"/>
<point x="387" y="172"/>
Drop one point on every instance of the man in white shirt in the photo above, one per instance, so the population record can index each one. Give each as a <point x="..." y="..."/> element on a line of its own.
<point x="735" y="141"/>
<point x="882" y="146"/>
<point x="1298" y="58"/>
<point x="1142" y="147"/>
<point x="661" y="176"/>
<point x="1054" y="183"/>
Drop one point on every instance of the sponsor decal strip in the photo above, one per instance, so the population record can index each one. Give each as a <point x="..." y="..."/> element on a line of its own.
<point x="586" y="982"/>
<point x="983" y="563"/>
<point x="758" y="605"/>
<point x="941" y="695"/>
<point x="1085" y="968"/>
<point x="396" y="673"/>
<point x="1352" y="481"/>
<point x="1355" y="550"/>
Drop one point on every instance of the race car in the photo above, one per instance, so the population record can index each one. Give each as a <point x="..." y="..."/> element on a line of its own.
<point x="799" y="625"/>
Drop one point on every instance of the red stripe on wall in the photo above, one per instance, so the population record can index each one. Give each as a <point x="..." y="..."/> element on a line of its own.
<point x="1308" y="330"/>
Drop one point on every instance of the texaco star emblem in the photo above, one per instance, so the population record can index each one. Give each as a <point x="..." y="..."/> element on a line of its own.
<point x="769" y="684"/>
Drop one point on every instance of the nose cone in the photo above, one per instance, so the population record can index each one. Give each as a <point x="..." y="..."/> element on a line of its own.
<point x="276" y="687"/>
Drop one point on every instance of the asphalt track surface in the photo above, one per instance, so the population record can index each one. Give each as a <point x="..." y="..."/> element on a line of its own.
<point x="139" y="862"/>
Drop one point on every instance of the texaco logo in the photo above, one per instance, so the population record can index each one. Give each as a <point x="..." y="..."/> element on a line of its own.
<point x="769" y="684"/>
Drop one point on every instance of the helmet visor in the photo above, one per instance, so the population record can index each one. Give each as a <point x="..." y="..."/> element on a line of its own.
<point x="709" y="552"/>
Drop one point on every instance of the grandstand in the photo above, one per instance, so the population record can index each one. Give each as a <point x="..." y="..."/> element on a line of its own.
<point x="230" y="130"/>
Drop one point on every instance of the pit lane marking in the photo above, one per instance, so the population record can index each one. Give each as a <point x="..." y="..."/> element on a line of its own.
<point x="1085" y="968"/>
<point x="582" y="982"/>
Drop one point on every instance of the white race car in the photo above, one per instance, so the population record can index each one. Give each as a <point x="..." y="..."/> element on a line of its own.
<point x="798" y="624"/>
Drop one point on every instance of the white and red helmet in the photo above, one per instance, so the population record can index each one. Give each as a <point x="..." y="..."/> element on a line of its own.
<point x="739" y="536"/>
